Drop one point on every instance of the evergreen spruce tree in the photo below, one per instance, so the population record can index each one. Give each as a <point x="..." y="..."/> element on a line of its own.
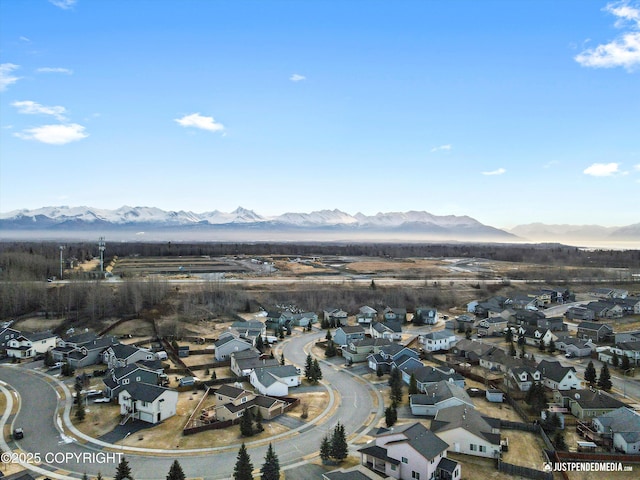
<point x="625" y="364"/>
<point x="604" y="381"/>
<point x="99" y="477"/>
<point x="390" y="415"/>
<point x="541" y="346"/>
<point x="328" y="337"/>
<point x="246" y="424"/>
<point x="260" y="344"/>
<point x="395" y="381"/>
<point x="413" y="385"/>
<point x="259" y="426"/>
<point x="552" y="347"/>
<point x="467" y="333"/>
<point x="615" y="359"/>
<point x="84" y="476"/>
<point x="271" y="467"/>
<point x="508" y="337"/>
<point x="379" y="372"/>
<point x="339" y="447"/>
<point x="308" y="366"/>
<point x="590" y="374"/>
<point x="123" y="470"/>
<point x="175" y="472"/>
<point x="282" y="359"/>
<point x="243" y="467"/>
<point x="331" y="350"/>
<point x="325" y="449"/>
<point x="48" y="359"/>
<point x="316" y="371"/>
<point x="559" y="441"/>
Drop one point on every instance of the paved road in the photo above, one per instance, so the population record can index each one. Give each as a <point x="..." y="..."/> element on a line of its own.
<point x="38" y="418"/>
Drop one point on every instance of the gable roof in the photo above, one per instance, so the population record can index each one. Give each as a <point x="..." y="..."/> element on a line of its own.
<point x="432" y="375"/>
<point x="37" y="336"/>
<point x="420" y="438"/>
<point x="122" y="351"/>
<point x="621" y="420"/>
<point x="269" y="375"/>
<point x="554" y="370"/>
<point x="467" y="418"/>
<point x="439" y="392"/>
<point x="593" y="326"/>
<point x="439" y="335"/>
<point x="145" y="391"/>
<point x="594" y="399"/>
<point x="347" y="329"/>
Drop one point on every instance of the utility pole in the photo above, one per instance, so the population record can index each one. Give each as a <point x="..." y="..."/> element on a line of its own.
<point x="62" y="247"/>
<point x="101" y="247"/>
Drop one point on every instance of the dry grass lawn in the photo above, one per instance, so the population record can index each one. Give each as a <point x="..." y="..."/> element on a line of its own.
<point x="35" y="324"/>
<point x="474" y="468"/>
<point x="100" y="419"/>
<point x="502" y="411"/>
<point x="300" y="268"/>
<point x="316" y="402"/>
<point x="525" y="449"/>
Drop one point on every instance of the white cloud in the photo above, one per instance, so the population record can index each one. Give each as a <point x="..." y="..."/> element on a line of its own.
<point x="624" y="51"/>
<point x="6" y="75"/>
<point x="550" y="164"/>
<point x="297" y="77"/>
<point x="33" y="108"/>
<point x="24" y="39"/>
<point x="441" y="148"/>
<point x="499" y="171"/>
<point x="637" y="167"/>
<point x="66" y="71"/>
<point x="199" y="121"/>
<point x="63" y="4"/>
<point x="602" y="169"/>
<point x="54" y="134"/>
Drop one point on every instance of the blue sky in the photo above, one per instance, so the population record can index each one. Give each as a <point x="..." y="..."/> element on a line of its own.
<point x="511" y="112"/>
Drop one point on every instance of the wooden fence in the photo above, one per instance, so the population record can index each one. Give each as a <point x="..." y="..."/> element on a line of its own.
<point x="521" y="471"/>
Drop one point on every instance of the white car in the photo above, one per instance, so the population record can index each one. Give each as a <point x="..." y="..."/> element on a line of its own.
<point x="102" y="400"/>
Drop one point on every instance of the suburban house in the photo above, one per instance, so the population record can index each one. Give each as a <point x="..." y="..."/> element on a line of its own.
<point x="594" y="331"/>
<point x="580" y="313"/>
<point x="426" y="376"/>
<point x="228" y="343"/>
<point x="146" y="402"/>
<point x="500" y="361"/>
<point x="575" y="347"/>
<point x="523" y="302"/>
<point x="89" y="353"/>
<point x="464" y="322"/>
<point x="358" y="350"/>
<point x="623" y="425"/>
<point x="358" y="472"/>
<point x="397" y="314"/>
<point x="7" y="334"/>
<point x="304" y="319"/>
<point x="245" y="361"/>
<point x="606" y="309"/>
<point x="440" y="340"/>
<point x="335" y="316"/>
<point x="119" y="377"/>
<point x="493" y="306"/>
<point x="440" y="395"/>
<point x="391" y="330"/>
<point x="346" y="334"/>
<point x="557" y="377"/>
<point x="366" y="315"/>
<point x="466" y="431"/>
<point x="623" y="337"/>
<point x="629" y="349"/>
<point x="492" y="326"/>
<point x="587" y="403"/>
<point x="27" y="345"/>
<point x="608" y="293"/>
<point x="409" y="451"/>
<point x="470" y="351"/>
<point x="523" y="377"/>
<point x="393" y="356"/>
<point x="231" y="402"/>
<point x="120" y="355"/>
<point x="249" y="330"/>
<point x="555" y="324"/>
<point x="275" y="381"/>
<point x="425" y="316"/>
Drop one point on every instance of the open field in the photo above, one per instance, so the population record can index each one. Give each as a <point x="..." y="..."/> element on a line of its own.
<point x="142" y="266"/>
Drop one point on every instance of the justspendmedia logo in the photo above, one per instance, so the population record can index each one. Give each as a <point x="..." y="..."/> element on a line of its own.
<point x="586" y="467"/>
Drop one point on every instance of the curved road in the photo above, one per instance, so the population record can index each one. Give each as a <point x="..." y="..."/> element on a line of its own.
<point x="39" y="403"/>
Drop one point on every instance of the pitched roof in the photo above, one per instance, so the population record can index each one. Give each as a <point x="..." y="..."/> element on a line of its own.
<point x="37" y="336"/>
<point x="593" y="325"/>
<point x="595" y="399"/>
<point x="440" y="391"/>
<point x="466" y="418"/>
<point x="230" y="391"/>
<point x="122" y="351"/>
<point x="145" y="391"/>
<point x="554" y="370"/>
<point x="420" y="438"/>
<point x="621" y="420"/>
<point x="351" y="329"/>
<point x="269" y="375"/>
<point x="440" y="334"/>
<point x="432" y="375"/>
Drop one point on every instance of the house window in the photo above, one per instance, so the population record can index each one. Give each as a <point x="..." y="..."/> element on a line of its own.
<point x="138" y="379"/>
<point x="393" y="467"/>
<point x="244" y="399"/>
<point x="125" y="381"/>
<point x="415" y="475"/>
<point x="473" y="447"/>
<point x="405" y="460"/>
<point x="482" y="448"/>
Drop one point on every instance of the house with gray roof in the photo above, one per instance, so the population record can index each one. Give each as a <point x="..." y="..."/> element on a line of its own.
<point x="393" y="356"/>
<point x="587" y="403"/>
<point x="88" y="353"/>
<point x="245" y="361"/>
<point x="425" y="316"/>
<point x="442" y="394"/>
<point x="120" y="355"/>
<point x="366" y="315"/>
<point x="426" y="376"/>
<point x="146" y="402"/>
<point x="575" y="347"/>
<point x="557" y="377"/>
<point x="391" y="330"/>
<point x="623" y="425"/>
<point x="348" y="333"/>
<point x="335" y="316"/>
<point x="594" y="331"/>
<point x="394" y="314"/>
<point x="409" y="451"/>
<point x="228" y="343"/>
<point x="357" y="472"/>
<point x="275" y="381"/>
<point x="358" y="350"/>
<point x="466" y="431"/>
<point x="522" y="377"/>
<point x="440" y="340"/>
<point x="629" y="349"/>
<point x="119" y="377"/>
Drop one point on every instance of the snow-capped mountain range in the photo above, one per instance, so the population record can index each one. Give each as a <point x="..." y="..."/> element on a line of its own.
<point x="150" y="218"/>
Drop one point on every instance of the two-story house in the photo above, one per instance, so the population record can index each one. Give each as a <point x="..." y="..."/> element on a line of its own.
<point x="438" y="396"/>
<point x="146" y="402"/>
<point x="244" y="362"/>
<point x="594" y="331"/>
<point x="227" y="344"/>
<point x="435" y="341"/>
<point x="358" y="350"/>
<point x="275" y="381"/>
<point x="366" y="315"/>
<point x="391" y="330"/>
<point x="425" y="316"/>
<point x="121" y="355"/>
<point x="347" y="334"/>
<point x="557" y="377"/>
<point x="409" y="451"/>
<point x="523" y="377"/>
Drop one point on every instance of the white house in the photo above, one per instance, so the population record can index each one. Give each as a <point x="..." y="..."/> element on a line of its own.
<point x="121" y="355"/>
<point x="523" y="377"/>
<point x="149" y="403"/>
<point x="275" y="381"/>
<point x="557" y="377"/>
<point x="228" y="343"/>
<point x="440" y="340"/>
<point x="42" y="342"/>
<point x="624" y="425"/>
<point x="409" y="451"/>
<point x="437" y="396"/>
<point x="20" y="347"/>
<point x="389" y="330"/>
<point x="466" y="431"/>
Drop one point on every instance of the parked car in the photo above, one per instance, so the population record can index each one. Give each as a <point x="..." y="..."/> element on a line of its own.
<point x="56" y="366"/>
<point x="102" y="400"/>
<point x="18" y="433"/>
